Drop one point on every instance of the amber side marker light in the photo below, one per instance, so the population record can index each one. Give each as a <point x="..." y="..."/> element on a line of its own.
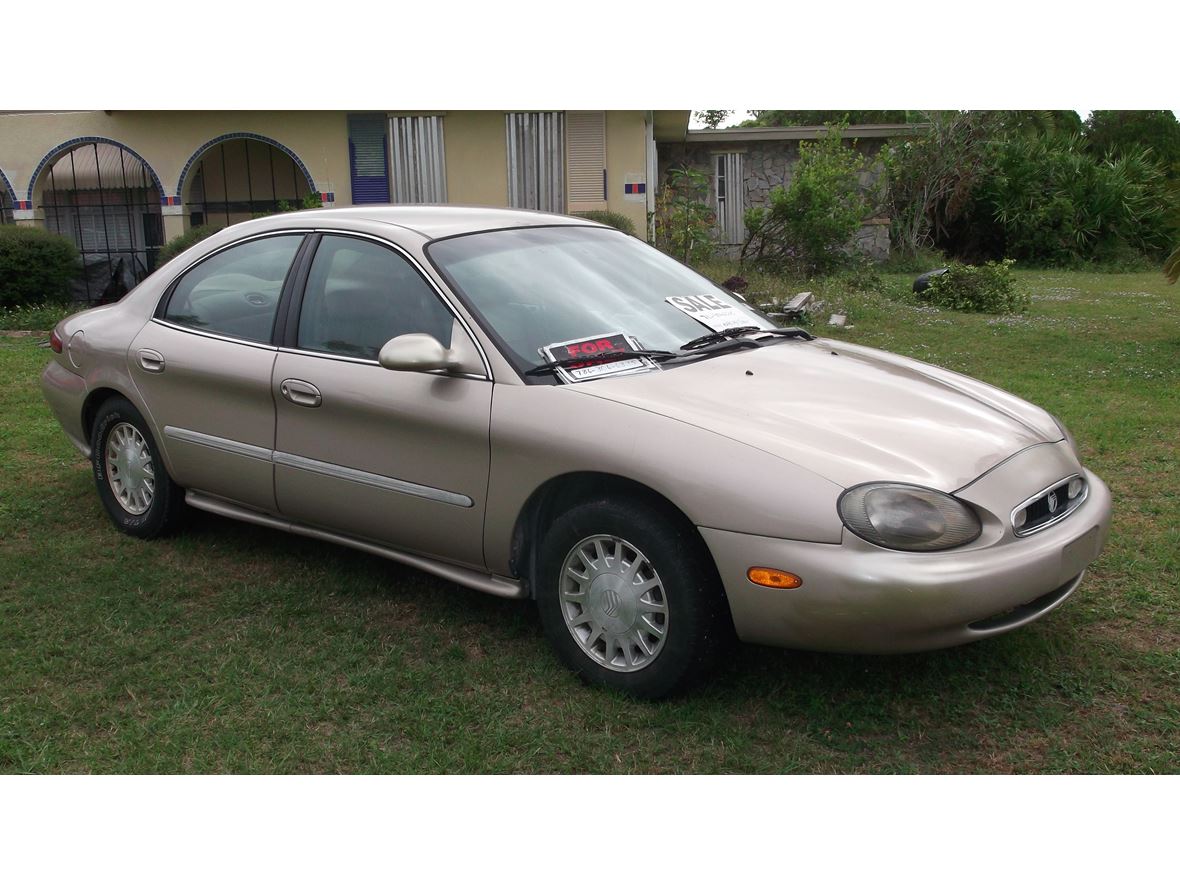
<point x="772" y="577"/>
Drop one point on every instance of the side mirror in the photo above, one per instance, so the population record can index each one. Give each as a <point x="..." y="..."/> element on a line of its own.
<point x="417" y="352"/>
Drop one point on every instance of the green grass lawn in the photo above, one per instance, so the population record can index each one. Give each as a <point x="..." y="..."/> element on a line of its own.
<point x="240" y="649"/>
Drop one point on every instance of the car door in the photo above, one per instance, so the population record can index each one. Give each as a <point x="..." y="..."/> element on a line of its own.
<point x="397" y="457"/>
<point x="204" y="365"/>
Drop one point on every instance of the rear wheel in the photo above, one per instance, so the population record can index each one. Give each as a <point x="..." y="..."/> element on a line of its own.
<point x="133" y="485"/>
<point x="630" y="598"/>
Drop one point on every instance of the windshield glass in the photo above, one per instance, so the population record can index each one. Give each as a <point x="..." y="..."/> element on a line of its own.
<point x="538" y="286"/>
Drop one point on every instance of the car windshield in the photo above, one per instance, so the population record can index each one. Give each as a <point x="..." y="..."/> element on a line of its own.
<point x="540" y="286"/>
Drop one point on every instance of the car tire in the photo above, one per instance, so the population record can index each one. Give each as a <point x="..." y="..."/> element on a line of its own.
<point x="134" y="486"/>
<point x="630" y="598"/>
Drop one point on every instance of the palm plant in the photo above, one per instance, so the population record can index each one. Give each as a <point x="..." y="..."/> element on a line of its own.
<point x="1172" y="266"/>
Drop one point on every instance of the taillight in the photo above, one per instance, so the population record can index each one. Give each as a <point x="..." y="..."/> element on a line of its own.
<point x="55" y="341"/>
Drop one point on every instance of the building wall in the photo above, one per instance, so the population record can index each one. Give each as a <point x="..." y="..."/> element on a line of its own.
<point x="770" y="164"/>
<point x="626" y="156"/>
<point x="167" y="139"/>
<point x="476" y="157"/>
<point x="475" y="145"/>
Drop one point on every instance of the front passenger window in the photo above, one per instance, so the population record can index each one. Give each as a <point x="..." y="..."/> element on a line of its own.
<point x="360" y="294"/>
<point x="236" y="291"/>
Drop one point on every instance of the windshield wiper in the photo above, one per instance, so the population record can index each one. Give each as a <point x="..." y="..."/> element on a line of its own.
<point x="602" y="357"/>
<point x="727" y="334"/>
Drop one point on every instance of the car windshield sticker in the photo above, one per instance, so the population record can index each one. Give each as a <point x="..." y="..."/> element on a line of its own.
<point x="713" y="312"/>
<point x="595" y="366"/>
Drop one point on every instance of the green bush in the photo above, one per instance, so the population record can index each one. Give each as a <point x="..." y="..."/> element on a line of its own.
<point x="1172" y="266"/>
<point x="807" y="226"/>
<point x="912" y="260"/>
<point x="986" y="288"/>
<point x="36" y="266"/>
<point x="614" y="219"/>
<point x="684" y="221"/>
<point x="40" y="317"/>
<point x="178" y="244"/>
<point x="1030" y="185"/>
<point x="1051" y="201"/>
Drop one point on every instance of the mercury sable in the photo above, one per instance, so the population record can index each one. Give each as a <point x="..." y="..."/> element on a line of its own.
<point x="543" y="408"/>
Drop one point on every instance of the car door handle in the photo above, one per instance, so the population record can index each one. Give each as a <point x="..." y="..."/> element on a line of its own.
<point x="301" y="393"/>
<point x="151" y="361"/>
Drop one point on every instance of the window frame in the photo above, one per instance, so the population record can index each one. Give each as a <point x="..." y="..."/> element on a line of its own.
<point x="160" y="314"/>
<point x="287" y="335"/>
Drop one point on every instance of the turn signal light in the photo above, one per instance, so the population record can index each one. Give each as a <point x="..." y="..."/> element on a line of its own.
<point x="772" y="577"/>
<point x="55" y="341"/>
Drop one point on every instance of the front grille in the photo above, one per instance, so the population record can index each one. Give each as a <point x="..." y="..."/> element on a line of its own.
<point x="1049" y="506"/>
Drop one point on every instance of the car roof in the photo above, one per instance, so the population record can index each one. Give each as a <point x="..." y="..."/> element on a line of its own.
<point x="434" y="221"/>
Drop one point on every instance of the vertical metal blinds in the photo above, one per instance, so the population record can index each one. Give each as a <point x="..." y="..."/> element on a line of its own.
<point x="731" y="204"/>
<point x="585" y="142"/>
<point x="367" y="159"/>
<point x="536" y="161"/>
<point x="419" y="167"/>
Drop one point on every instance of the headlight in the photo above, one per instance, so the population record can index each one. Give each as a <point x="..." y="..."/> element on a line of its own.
<point x="1073" y="443"/>
<point x="906" y="517"/>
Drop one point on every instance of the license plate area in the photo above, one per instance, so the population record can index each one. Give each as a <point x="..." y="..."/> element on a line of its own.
<point x="1079" y="553"/>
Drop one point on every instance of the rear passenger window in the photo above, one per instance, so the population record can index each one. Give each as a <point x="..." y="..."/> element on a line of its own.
<point x="236" y="292"/>
<point x="360" y="294"/>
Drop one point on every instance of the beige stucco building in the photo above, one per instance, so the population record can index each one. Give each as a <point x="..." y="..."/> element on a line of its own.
<point x="121" y="183"/>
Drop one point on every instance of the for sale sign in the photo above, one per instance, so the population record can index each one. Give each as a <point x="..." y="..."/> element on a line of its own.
<point x="598" y="352"/>
<point x="714" y="312"/>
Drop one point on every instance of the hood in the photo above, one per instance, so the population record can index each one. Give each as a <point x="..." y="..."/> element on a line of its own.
<point x="848" y="413"/>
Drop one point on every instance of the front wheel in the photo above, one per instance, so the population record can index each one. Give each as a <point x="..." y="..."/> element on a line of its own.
<point x="630" y="598"/>
<point x="135" y="489"/>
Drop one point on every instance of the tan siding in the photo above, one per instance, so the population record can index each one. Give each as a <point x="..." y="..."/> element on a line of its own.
<point x="477" y="158"/>
<point x="625" y="153"/>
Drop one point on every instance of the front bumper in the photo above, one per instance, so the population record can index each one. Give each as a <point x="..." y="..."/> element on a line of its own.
<point x="860" y="598"/>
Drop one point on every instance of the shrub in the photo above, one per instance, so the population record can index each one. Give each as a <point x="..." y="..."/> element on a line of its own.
<point x="309" y="201"/>
<point x="987" y="288"/>
<point x="985" y="184"/>
<point x="914" y="261"/>
<point x="807" y="225"/>
<point x="684" y="221"/>
<point x="41" y="317"/>
<point x="1053" y="202"/>
<point x="614" y="219"/>
<point x="178" y="244"/>
<point x="932" y="174"/>
<point x="36" y="266"/>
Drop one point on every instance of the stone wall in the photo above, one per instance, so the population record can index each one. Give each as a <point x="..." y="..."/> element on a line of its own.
<point x="769" y="164"/>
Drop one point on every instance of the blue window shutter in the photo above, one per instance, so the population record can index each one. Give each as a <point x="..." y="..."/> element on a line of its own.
<point x="368" y="160"/>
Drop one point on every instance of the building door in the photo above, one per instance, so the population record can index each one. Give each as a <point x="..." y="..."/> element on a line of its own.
<point x="729" y="190"/>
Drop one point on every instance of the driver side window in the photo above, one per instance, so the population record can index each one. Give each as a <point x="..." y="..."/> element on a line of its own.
<point x="235" y="292"/>
<point x="360" y="294"/>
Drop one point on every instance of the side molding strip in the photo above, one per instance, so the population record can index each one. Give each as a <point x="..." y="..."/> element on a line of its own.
<point x="218" y="442"/>
<point x="388" y="483"/>
<point x="324" y="468"/>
